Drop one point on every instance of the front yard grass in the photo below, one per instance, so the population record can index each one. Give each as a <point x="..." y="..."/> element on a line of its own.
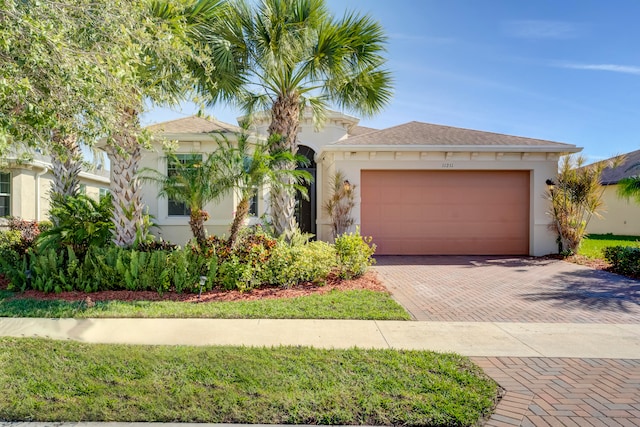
<point x="46" y="380"/>
<point x="352" y="304"/>
<point x="592" y="245"/>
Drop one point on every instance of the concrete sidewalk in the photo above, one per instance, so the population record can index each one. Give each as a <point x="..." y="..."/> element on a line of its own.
<point x="613" y="341"/>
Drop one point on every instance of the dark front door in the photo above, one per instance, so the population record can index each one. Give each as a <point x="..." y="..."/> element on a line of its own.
<point x="306" y="209"/>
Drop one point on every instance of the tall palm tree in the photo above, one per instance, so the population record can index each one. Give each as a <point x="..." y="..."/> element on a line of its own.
<point x="194" y="181"/>
<point x="252" y="166"/>
<point x="174" y="59"/>
<point x="66" y="162"/>
<point x="629" y="188"/>
<point x="295" y="54"/>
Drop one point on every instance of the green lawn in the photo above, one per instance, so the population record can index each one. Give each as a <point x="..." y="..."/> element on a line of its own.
<point x="593" y="244"/>
<point x="46" y="380"/>
<point x="354" y="304"/>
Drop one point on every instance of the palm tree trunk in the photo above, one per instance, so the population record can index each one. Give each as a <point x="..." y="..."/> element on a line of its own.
<point x="125" y="153"/>
<point x="242" y="210"/>
<point x="285" y="121"/>
<point x="196" y="222"/>
<point x="66" y="161"/>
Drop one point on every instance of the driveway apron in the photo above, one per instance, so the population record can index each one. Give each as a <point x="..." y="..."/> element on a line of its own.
<point x="538" y="391"/>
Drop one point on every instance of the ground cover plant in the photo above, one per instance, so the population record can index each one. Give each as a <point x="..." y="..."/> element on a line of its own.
<point x="46" y="380"/>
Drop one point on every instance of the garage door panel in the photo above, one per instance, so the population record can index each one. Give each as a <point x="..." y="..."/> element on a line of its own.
<point x="446" y="212"/>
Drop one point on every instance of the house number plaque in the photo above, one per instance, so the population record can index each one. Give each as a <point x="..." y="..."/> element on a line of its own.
<point x="447" y="165"/>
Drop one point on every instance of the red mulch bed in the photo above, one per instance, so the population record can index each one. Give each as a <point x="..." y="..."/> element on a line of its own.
<point x="598" y="264"/>
<point x="368" y="281"/>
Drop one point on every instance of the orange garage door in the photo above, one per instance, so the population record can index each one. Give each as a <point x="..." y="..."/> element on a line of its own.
<point x="446" y="212"/>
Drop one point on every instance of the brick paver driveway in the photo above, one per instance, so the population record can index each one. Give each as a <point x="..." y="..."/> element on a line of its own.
<point x="539" y="391"/>
<point x="494" y="289"/>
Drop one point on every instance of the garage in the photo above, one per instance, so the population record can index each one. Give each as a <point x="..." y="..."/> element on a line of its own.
<point x="443" y="212"/>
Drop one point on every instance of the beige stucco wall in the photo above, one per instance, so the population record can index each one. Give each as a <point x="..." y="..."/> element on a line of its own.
<point x="619" y="216"/>
<point x="352" y="161"/>
<point x="542" y="166"/>
<point x="176" y="228"/>
<point x="31" y="186"/>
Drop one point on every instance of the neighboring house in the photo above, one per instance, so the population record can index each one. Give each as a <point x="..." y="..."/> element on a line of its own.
<point x="25" y="187"/>
<point x="621" y="216"/>
<point x="421" y="188"/>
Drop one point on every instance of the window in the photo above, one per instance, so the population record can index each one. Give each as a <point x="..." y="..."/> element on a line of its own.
<point x="175" y="208"/>
<point x="5" y="194"/>
<point x="103" y="193"/>
<point x="253" y="205"/>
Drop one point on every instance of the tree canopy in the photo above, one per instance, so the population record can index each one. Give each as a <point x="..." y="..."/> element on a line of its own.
<point x="295" y="54"/>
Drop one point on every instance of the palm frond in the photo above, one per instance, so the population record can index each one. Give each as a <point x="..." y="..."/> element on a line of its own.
<point x="630" y="188"/>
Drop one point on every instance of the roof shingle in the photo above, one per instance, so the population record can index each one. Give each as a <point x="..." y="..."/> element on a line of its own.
<point x="418" y="133"/>
<point x="193" y="124"/>
<point x="630" y="167"/>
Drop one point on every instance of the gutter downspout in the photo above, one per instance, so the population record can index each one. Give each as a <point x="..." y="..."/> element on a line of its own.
<point x="38" y="175"/>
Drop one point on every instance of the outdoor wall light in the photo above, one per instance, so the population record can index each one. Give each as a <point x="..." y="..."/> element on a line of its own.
<point x="550" y="184"/>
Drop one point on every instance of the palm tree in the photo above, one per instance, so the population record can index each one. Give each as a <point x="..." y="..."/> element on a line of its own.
<point x="173" y="58"/>
<point x="630" y="188"/>
<point x="195" y="182"/>
<point x="66" y="162"/>
<point x="296" y="54"/>
<point x="575" y="196"/>
<point x="252" y="166"/>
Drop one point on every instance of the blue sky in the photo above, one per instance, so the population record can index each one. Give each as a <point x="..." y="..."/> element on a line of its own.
<point x="566" y="71"/>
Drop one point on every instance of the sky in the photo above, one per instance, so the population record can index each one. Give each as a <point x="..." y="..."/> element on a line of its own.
<point x="565" y="71"/>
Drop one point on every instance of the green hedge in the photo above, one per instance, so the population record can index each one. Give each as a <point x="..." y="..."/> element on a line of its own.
<point x="624" y="259"/>
<point x="254" y="261"/>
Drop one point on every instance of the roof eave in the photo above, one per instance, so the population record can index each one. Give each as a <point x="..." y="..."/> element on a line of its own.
<point x="567" y="149"/>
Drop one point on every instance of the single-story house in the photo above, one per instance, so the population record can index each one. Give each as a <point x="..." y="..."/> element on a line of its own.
<point x="25" y="186"/>
<point x="421" y="188"/>
<point x="621" y="216"/>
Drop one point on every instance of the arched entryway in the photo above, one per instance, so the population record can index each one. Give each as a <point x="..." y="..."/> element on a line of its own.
<point x="306" y="209"/>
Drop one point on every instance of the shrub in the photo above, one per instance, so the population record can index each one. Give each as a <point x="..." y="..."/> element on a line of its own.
<point x="10" y="243"/>
<point x="29" y="232"/>
<point x="58" y="271"/>
<point x="156" y="245"/>
<point x="355" y="254"/>
<point x="624" y="259"/>
<point x="15" y="245"/>
<point x="242" y="266"/>
<point x="81" y="222"/>
<point x="116" y="268"/>
<point x="290" y="265"/>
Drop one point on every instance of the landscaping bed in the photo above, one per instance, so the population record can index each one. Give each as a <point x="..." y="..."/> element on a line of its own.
<point x="46" y="380"/>
<point x="361" y="298"/>
<point x="368" y="281"/>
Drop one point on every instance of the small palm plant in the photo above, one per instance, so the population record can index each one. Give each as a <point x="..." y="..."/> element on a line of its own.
<point x="81" y="222"/>
<point x="195" y="182"/>
<point x="340" y="204"/>
<point x="575" y="196"/>
<point x="253" y="165"/>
